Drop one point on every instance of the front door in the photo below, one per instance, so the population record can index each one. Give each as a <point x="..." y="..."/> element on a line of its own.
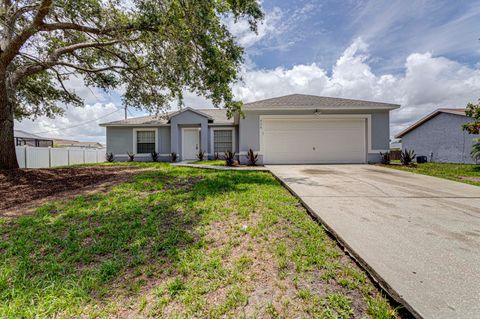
<point x="190" y="145"/>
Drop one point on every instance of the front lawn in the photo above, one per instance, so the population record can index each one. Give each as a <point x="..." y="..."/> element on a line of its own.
<point x="178" y="242"/>
<point x="465" y="173"/>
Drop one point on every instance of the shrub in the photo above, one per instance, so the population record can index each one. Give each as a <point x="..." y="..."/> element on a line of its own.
<point x="229" y="158"/>
<point x="216" y="156"/>
<point x="385" y="158"/>
<point x="252" y="158"/>
<point x="407" y="157"/>
<point x="154" y="156"/>
<point x="110" y="157"/>
<point x="475" y="153"/>
<point x="201" y="155"/>
<point x="131" y="157"/>
<point x="173" y="157"/>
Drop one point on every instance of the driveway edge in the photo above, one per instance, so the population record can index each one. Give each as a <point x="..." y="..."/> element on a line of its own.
<point x="356" y="257"/>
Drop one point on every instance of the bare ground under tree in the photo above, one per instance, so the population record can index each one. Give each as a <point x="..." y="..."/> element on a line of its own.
<point x="23" y="189"/>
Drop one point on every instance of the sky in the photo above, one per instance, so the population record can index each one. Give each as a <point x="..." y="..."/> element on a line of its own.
<point x="420" y="54"/>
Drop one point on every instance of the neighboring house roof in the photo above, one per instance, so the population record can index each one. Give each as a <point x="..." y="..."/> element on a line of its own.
<point x="72" y="143"/>
<point x="299" y="101"/>
<point x="457" y="111"/>
<point x="217" y="116"/>
<point x="23" y="134"/>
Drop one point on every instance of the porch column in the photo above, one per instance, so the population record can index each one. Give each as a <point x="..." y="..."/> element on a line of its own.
<point x="174" y="138"/>
<point x="204" y="137"/>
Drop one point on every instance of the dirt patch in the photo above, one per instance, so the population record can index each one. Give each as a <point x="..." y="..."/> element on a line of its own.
<point x="23" y="189"/>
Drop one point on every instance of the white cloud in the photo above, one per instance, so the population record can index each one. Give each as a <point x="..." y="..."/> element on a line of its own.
<point x="428" y="82"/>
<point x="79" y="124"/>
<point x="266" y="28"/>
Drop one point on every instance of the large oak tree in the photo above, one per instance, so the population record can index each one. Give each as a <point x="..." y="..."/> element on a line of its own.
<point x="152" y="50"/>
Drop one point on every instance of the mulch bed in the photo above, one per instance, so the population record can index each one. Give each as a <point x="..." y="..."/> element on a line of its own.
<point x="20" y="187"/>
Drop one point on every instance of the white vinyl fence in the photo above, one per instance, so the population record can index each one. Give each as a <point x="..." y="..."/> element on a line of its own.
<point x="41" y="157"/>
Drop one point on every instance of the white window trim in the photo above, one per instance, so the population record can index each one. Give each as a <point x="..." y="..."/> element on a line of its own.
<point x="136" y="130"/>
<point x="198" y="129"/>
<point x="212" y="140"/>
<point x="367" y="117"/>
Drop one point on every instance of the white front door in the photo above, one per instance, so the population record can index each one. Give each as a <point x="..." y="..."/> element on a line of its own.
<point x="190" y="143"/>
<point x="327" y="140"/>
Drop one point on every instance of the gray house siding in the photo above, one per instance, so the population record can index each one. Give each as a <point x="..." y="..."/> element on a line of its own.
<point x="187" y="119"/>
<point x="441" y="139"/>
<point x="120" y="142"/>
<point x="250" y="129"/>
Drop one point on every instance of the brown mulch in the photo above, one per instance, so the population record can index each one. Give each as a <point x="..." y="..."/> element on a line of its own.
<point x="22" y="189"/>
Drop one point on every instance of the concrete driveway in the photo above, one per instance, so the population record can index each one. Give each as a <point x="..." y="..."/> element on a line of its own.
<point x="418" y="235"/>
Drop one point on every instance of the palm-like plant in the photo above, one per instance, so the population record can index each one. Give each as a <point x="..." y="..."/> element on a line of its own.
<point x="407" y="157"/>
<point x="475" y="153"/>
<point x="229" y="158"/>
<point x="252" y="158"/>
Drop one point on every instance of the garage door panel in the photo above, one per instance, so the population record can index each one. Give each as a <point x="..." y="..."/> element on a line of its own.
<point x="314" y="141"/>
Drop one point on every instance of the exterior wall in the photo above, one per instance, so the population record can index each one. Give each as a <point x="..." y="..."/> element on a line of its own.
<point x="250" y="129"/>
<point x="441" y="139"/>
<point x="120" y="142"/>
<point x="211" y="154"/>
<point x="187" y="119"/>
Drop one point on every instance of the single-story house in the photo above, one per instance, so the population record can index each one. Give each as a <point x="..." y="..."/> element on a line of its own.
<point x="23" y="138"/>
<point x="283" y="130"/>
<point x="440" y="136"/>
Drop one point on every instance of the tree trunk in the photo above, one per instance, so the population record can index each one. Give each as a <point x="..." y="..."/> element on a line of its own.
<point x="8" y="156"/>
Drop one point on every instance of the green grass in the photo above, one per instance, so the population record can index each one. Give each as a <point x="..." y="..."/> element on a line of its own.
<point x="465" y="173"/>
<point x="211" y="162"/>
<point x="179" y="242"/>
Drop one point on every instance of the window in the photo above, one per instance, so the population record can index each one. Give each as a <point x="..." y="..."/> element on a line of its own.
<point x="145" y="142"/>
<point x="222" y="141"/>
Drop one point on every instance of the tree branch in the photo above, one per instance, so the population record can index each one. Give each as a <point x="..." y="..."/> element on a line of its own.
<point x="73" y="26"/>
<point x="79" y="68"/>
<point x="13" y="47"/>
<point x="55" y="56"/>
<point x="84" y="28"/>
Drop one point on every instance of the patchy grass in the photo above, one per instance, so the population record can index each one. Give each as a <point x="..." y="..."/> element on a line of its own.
<point x="177" y="242"/>
<point x="211" y="162"/>
<point x="465" y="173"/>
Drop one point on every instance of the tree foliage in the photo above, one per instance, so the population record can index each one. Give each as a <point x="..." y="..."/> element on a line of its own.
<point x="473" y="110"/>
<point x="151" y="50"/>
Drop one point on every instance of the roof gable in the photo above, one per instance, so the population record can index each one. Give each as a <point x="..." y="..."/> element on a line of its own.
<point x="459" y="112"/>
<point x="189" y="109"/>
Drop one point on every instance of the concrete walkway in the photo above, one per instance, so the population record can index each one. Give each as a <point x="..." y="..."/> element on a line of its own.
<point x="222" y="168"/>
<point x="418" y="235"/>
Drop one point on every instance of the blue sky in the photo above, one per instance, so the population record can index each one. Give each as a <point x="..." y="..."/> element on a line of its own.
<point x="420" y="54"/>
<point x="319" y="31"/>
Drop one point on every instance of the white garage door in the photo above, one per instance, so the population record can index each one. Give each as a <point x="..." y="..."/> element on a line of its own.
<point x="328" y="140"/>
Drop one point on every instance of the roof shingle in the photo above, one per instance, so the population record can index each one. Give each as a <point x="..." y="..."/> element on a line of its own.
<point x="219" y="116"/>
<point x="314" y="101"/>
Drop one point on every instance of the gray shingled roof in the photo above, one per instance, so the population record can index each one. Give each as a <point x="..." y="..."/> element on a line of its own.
<point x="219" y="116"/>
<point x="314" y="101"/>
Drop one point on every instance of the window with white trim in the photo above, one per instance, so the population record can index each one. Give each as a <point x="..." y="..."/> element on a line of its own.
<point x="145" y="142"/>
<point x="222" y="141"/>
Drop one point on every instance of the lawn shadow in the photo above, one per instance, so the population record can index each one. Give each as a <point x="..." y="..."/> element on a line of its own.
<point x="84" y="250"/>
